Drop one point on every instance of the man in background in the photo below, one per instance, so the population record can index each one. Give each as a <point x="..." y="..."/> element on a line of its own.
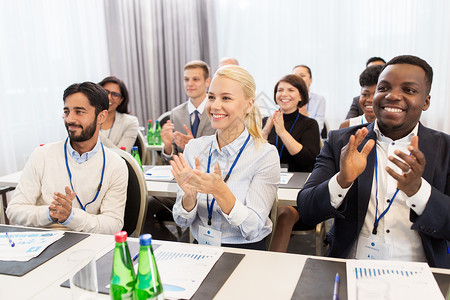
<point x="189" y="119"/>
<point x="315" y="108"/>
<point x="355" y="109"/>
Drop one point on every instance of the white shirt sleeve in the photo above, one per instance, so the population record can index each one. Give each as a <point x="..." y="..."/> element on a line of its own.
<point x="337" y="193"/>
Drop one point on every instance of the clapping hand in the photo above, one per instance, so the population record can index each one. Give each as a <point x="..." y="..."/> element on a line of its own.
<point x="353" y="162"/>
<point x="412" y="166"/>
<point x="61" y="208"/>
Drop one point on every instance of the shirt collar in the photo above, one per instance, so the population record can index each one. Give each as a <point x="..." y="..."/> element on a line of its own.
<point x="200" y="108"/>
<point x="85" y="156"/>
<point x="382" y="138"/>
<point x="232" y="148"/>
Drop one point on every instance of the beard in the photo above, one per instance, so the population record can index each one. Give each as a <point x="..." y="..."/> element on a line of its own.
<point x="86" y="133"/>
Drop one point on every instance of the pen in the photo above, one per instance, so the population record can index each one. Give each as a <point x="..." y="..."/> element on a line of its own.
<point x="336" y="287"/>
<point x="10" y="240"/>
<point x="136" y="256"/>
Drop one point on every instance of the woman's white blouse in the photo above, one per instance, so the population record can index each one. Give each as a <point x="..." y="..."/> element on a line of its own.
<point x="253" y="181"/>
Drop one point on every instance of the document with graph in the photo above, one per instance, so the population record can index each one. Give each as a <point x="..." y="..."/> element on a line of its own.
<point x="183" y="267"/>
<point x="382" y="279"/>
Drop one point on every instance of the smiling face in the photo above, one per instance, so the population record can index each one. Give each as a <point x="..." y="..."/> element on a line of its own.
<point x="80" y="118"/>
<point x="114" y="96"/>
<point x="227" y="106"/>
<point x="365" y="101"/>
<point x="287" y="97"/>
<point x="401" y="96"/>
<point x="195" y="84"/>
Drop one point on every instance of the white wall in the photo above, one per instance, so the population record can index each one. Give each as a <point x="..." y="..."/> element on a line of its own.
<point x="335" y="38"/>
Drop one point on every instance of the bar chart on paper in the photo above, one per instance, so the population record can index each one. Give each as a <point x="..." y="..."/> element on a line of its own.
<point x="375" y="279"/>
<point x="184" y="267"/>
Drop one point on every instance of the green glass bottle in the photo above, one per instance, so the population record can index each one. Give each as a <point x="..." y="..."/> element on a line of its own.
<point x="135" y="154"/>
<point x="157" y="133"/>
<point x="148" y="283"/>
<point x="150" y="133"/>
<point x="123" y="277"/>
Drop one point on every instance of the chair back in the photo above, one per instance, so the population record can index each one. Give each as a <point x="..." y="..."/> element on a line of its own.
<point x="136" y="205"/>
<point x="274" y="218"/>
<point x="141" y="143"/>
<point x="164" y="118"/>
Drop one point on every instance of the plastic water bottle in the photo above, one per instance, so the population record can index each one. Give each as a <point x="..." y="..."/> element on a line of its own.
<point x="148" y="283"/>
<point x="135" y="153"/>
<point x="157" y="133"/>
<point x="123" y="278"/>
<point x="150" y="133"/>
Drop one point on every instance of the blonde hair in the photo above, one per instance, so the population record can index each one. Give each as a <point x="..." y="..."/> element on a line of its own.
<point x="252" y="120"/>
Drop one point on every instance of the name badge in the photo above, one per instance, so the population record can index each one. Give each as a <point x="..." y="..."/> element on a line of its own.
<point x="209" y="236"/>
<point x="372" y="247"/>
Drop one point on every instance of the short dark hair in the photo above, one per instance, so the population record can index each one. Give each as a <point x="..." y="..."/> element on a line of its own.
<point x="303" y="66"/>
<point x="416" y="61"/>
<point x="298" y="83"/>
<point x="370" y="75"/>
<point x="123" y="107"/>
<point x="194" y="64"/>
<point x="375" y="58"/>
<point x="96" y="95"/>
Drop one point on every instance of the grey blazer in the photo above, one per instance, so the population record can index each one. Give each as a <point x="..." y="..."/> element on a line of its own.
<point x="179" y="117"/>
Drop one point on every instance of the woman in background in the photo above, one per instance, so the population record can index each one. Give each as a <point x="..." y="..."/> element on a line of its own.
<point x="120" y="128"/>
<point x="298" y="143"/>
<point x="228" y="181"/>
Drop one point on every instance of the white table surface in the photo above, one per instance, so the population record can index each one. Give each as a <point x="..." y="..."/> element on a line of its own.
<point x="168" y="189"/>
<point x="260" y="274"/>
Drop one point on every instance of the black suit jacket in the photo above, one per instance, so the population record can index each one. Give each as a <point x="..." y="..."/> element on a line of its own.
<point x="433" y="225"/>
<point x="355" y="109"/>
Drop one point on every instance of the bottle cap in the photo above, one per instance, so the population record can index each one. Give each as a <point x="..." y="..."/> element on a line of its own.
<point x="135" y="148"/>
<point x="157" y="121"/>
<point x="123" y="148"/>
<point x="145" y="239"/>
<point x="121" y="236"/>
<point x="149" y="120"/>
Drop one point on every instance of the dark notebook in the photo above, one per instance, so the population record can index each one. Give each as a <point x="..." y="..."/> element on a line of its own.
<point x="20" y="268"/>
<point x="207" y="290"/>
<point x="297" y="181"/>
<point x="317" y="280"/>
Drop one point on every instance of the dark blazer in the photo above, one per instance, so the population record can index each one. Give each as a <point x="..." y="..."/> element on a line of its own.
<point x="355" y="109"/>
<point x="433" y="226"/>
<point x="180" y="116"/>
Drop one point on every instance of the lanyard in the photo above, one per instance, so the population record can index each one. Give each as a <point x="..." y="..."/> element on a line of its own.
<point x="210" y="207"/>
<point x="377" y="219"/>
<point x="70" y="176"/>
<point x="290" y="130"/>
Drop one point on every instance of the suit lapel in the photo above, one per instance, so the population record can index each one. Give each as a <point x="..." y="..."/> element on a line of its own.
<point x="428" y="146"/>
<point x="186" y="119"/>
<point x="203" y="121"/>
<point x="366" y="178"/>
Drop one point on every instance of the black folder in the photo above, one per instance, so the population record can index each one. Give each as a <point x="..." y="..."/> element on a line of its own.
<point x="317" y="280"/>
<point x="207" y="290"/>
<point x="20" y="268"/>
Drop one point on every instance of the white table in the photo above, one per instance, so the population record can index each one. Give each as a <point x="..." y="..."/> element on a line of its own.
<point x="260" y="274"/>
<point x="286" y="196"/>
<point x="154" y="149"/>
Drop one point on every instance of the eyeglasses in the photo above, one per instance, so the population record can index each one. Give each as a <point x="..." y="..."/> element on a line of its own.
<point x="114" y="95"/>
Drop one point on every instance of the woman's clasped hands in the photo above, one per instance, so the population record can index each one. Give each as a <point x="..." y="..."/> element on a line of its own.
<point x="193" y="181"/>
